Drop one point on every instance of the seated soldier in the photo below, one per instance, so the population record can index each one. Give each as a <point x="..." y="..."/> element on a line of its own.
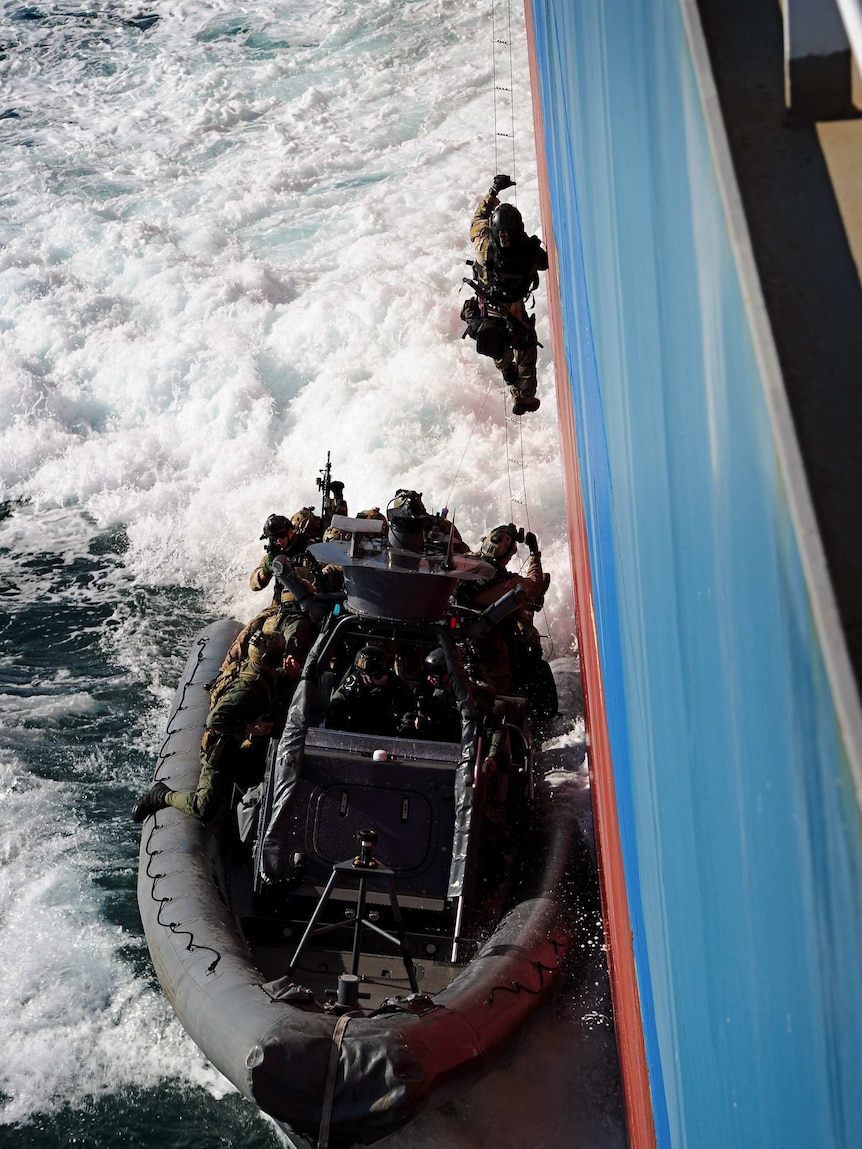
<point x="308" y="524"/>
<point x="245" y="711"/>
<point x="436" y="717"/>
<point x="371" y="699"/>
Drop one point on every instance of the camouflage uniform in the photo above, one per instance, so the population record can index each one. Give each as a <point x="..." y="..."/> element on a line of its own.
<point x="492" y="659"/>
<point x="308" y="524"/>
<point x="518" y="362"/>
<point x="230" y="753"/>
<point x="263" y="574"/>
<point x="284" y="614"/>
<point x="287" y="619"/>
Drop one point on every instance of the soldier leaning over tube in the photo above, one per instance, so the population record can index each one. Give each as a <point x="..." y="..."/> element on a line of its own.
<point x="244" y="713"/>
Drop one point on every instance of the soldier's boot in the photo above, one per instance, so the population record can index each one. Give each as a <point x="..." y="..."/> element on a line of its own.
<point x="149" y="803"/>
<point x="523" y="391"/>
<point x="521" y="404"/>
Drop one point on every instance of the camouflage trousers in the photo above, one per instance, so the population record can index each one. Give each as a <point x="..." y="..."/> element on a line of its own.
<point x="518" y="368"/>
<point x="223" y="766"/>
<point x="298" y="630"/>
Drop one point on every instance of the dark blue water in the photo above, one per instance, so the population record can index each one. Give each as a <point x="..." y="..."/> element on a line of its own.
<point x="91" y="1056"/>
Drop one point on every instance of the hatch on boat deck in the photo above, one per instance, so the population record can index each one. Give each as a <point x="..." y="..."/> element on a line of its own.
<point x="408" y="797"/>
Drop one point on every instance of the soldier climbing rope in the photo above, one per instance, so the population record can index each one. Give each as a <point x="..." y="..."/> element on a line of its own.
<point x="499" y="296"/>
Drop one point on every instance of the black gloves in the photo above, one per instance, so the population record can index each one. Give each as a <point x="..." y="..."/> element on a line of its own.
<point x="532" y="543"/>
<point x="500" y="183"/>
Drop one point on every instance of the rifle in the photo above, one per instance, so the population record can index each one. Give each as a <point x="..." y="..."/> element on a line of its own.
<point x="332" y="494"/>
<point x="523" y="330"/>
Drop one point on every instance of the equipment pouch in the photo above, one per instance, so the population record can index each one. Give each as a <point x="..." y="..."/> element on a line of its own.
<point x="471" y="313"/>
<point x="522" y="333"/>
<point x="492" y="336"/>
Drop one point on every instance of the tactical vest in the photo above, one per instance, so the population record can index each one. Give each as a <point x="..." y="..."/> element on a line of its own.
<point x="243" y="675"/>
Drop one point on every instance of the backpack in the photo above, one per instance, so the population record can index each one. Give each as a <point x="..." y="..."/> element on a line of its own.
<point x="512" y="275"/>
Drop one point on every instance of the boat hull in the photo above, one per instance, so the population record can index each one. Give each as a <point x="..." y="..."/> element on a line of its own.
<point x="336" y="1079"/>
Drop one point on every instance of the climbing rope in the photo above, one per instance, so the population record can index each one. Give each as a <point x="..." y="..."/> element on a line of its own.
<point x="519" y="511"/>
<point x="476" y="419"/>
<point x="519" y="503"/>
<point x="504" y="130"/>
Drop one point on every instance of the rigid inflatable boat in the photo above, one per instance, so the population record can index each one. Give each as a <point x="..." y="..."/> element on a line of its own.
<point x="357" y="938"/>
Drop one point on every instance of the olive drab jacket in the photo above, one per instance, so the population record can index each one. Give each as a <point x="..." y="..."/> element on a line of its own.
<point x="237" y="703"/>
<point x="233" y="752"/>
<point x="250" y="696"/>
<point x="490" y="590"/>
<point x="509" y="276"/>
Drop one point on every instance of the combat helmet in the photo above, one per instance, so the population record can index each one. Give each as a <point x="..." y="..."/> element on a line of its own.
<point x="507" y="226"/>
<point x="407" y="520"/>
<point x="408" y="502"/>
<point x="307" y="522"/>
<point x="500" y="544"/>
<point x="371" y="513"/>
<point x="435" y="663"/>
<point x="266" y="650"/>
<point x="372" y="661"/>
<point x="276" y="527"/>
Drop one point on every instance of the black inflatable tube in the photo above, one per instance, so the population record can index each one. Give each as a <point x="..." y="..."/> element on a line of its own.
<point x="278" y="1053"/>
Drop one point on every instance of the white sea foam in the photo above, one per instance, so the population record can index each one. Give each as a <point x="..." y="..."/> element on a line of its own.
<point x="74" y="1019"/>
<point x="232" y="260"/>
